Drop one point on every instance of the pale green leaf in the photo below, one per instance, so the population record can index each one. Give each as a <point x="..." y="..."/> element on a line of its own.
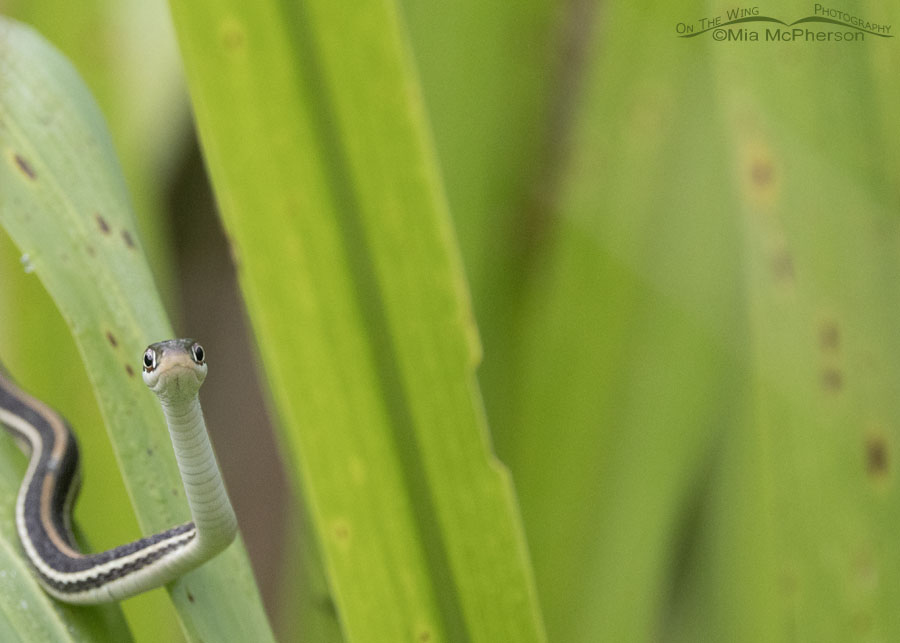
<point x="709" y="358"/>
<point x="64" y="204"/>
<point x="313" y="131"/>
<point x="126" y="53"/>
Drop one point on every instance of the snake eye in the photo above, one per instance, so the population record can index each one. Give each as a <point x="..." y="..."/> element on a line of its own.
<point x="149" y="360"/>
<point x="197" y="353"/>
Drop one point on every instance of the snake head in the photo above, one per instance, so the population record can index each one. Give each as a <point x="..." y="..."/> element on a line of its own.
<point x="174" y="369"/>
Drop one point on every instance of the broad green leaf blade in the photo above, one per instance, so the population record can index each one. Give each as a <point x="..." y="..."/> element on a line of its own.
<point x="313" y="133"/>
<point x="619" y="332"/>
<point x="64" y="204"/>
<point x="27" y="613"/>
<point x="35" y="344"/>
<point x="722" y="286"/>
<point x="33" y="335"/>
<point x="125" y="52"/>
<point x="486" y="71"/>
<point x="498" y="111"/>
<point x="813" y="469"/>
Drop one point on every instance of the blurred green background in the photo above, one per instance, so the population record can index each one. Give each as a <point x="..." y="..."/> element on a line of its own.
<point x="683" y="256"/>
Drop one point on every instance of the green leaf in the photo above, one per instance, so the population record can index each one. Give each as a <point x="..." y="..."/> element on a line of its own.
<point x="135" y="93"/>
<point x="64" y="204"/>
<point x="706" y="354"/>
<point x="141" y="96"/>
<point x="628" y="326"/>
<point x="493" y="102"/>
<point x="314" y="135"/>
<point x="797" y="541"/>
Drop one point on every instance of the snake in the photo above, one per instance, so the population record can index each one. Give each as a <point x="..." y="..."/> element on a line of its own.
<point x="174" y="370"/>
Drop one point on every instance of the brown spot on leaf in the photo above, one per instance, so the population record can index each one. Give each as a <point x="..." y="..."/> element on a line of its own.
<point x="101" y="223"/>
<point x="25" y="167"/>
<point x="876" y="456"/>
<point x="129" y="370"/>
<point x="342" y="531"/>
<point x="233" y="36"/>
<point x="762" y="173"/>
<point x="190" y="597"/>
<point x="829" y="336"/>
<point x="126" y="237"/>
<point x="111" y="339"/>
<point x="832" y="380"/>
<point x="425" y="636"/>
<point x="783" y="266"/>
<point x="760" y="176"/>
<point x="91" y="251"/>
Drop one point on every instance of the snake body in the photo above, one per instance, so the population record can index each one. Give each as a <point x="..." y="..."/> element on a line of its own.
<point x="174" y="371"/>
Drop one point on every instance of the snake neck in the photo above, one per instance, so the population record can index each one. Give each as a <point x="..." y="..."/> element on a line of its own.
<point x="204" y="488"/>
